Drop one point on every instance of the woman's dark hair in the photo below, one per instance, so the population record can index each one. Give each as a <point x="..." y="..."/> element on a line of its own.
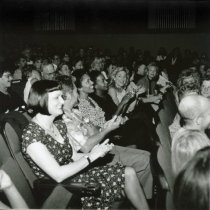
<point x="62" y="64"/>
<point x="94" y="75"/>
<point x="65" y="80"/>
<point x="192" y="186"/>
<point x="6" y="67"/>
<point x="75" y="60"/>
<point x="27" y="70"/>
<point x="79" y="77"/>
<point x="38" y="96"/>
<point x="137" y="65"/>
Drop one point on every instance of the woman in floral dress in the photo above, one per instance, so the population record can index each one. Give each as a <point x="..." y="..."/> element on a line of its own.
<point x="47" y="149"/>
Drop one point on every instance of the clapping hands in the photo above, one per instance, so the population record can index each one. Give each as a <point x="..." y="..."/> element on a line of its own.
<point x="114" y="123"/>
<point x="100" y="150"/>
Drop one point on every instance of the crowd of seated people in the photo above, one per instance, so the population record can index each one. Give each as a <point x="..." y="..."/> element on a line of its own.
<point x="94" y="115"/>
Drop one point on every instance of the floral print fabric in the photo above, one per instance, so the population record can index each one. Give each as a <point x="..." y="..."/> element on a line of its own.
<point x="111" y="178"/>
<point x="92" y="112"/>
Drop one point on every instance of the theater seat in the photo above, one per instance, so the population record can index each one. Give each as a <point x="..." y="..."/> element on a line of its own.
<point x="10" y="166"/>
<point x="164" y="160"/>
<point x="11" y="131"/>
<point x="160" y="162"/>
<point x="164" y="136"/>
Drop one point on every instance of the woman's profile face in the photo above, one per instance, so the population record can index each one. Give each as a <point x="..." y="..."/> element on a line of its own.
<point x="66" y="57"/>
<point x="38" y="64"/>
<point x="65" y="70"/>
<point x="120" y="79"/>
<point x="111" y="69"/>
<point x="55" y="103"/>
<point x="97" y="64"/>
<point x="79" y="65"/>
<point x="86" y="84"/>
<point x="141" y="70"/>
<point x="101" y="82"/>
<point x="152" y="72"/>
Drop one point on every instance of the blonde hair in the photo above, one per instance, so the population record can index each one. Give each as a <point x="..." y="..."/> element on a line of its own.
<point x="184" y="147"/>
<point x="114" y="74"/>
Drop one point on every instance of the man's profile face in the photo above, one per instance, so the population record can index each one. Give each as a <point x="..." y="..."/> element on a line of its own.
<point x="48" y="72"/>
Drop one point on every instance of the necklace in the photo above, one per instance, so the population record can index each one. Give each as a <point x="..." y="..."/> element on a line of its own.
<point x="51" y="130"/>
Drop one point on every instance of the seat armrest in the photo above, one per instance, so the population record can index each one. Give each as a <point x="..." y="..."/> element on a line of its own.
<point x="163" y="182"/>
<point x="58" y="199"/>
<point x="79" y="188"/>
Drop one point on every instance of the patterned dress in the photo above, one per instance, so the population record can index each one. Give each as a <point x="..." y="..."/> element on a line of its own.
<point x="90" y="110"/>
<point x="111" y="178"/>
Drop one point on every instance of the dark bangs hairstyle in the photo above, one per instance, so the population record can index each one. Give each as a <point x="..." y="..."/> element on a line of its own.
<point x="6" y="67"/>
<point x="94" y="75"/>
<point x="65" y="80"/>
<point x="38" y="96"/>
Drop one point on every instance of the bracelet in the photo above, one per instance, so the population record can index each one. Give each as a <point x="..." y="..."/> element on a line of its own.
<point x="88" y="159"/>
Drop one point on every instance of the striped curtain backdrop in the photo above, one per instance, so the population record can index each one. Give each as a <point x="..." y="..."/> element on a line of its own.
<point x="171" y="16"/>
<point x="54" y="20"/>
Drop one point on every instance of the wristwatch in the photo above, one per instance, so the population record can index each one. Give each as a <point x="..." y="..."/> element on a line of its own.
<point x="88" y="158"/>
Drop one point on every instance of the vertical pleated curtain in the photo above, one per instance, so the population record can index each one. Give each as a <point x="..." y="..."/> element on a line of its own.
<point x="170" y="16"/>
<point x="54" y="20"/>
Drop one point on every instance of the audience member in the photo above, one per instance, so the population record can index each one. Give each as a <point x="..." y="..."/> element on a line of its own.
<point x="135" y="130"/>
<point x="191" y="190"/>
<point x="205" y="88"/>
<point x="38" y="63"/>
<point x="119" y="98"/>
<point x="102" y="97"/>
<point x="18" y="73"/>
<point x="47" y="149"/>
<point x="33" y="76"/>
<point x="63" y="69"/>
<point x="9" y="99"/>
<point x="48" y="72"/>
<point x="56" y="61"/>
<point x="184" y="88"/>
<point x="117" y="89"/>
<point x="84" y="137"/>
<point x="140" y="70"/>
<point x="195" y="112"/>
<point x="185" y="146"/>
<point x="77" y="65"/>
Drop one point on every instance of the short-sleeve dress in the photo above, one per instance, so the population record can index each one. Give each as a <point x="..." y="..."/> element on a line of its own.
<point x="111" y="178"/>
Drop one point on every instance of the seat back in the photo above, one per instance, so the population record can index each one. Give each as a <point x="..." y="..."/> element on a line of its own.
<point x="12" y="129"/>
<point x="170" y="109"/>
<point x="164" y="159"/>
<point x="23" y="177"/>
<point x="164" y="116"/>
<point x="9" y="165"/>
<point x="171" y="104"/>
<point x="164" y="135"/>
<point x="15" y="146"/>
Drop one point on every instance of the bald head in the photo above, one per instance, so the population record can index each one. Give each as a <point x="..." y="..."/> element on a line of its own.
<point x="193" y="107"/>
